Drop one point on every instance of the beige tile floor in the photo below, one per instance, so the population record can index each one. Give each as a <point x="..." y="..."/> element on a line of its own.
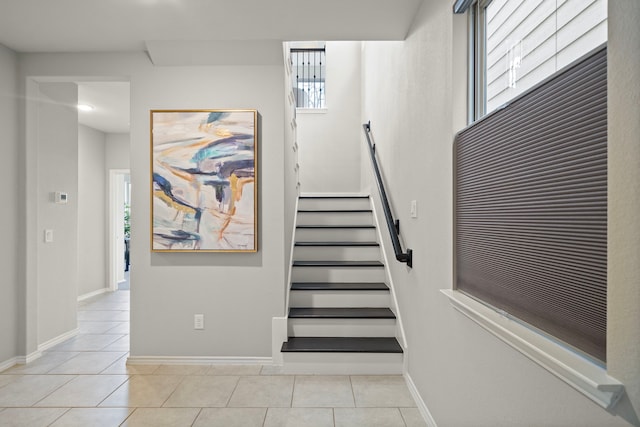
<point x="85" y="381"/>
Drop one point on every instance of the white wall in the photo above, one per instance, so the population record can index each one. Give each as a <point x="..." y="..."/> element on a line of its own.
<point x="415" y="98"/>
<point x="291" y="163"/>
<point x="329" y="140"/>
<point x="237" y="293"/>
<point x="623" y="342"/>
<point x="9" y="213"/>
<point x="92" y="219"/>
<point x="117" y="151"/>
<point x="57" y="159"/>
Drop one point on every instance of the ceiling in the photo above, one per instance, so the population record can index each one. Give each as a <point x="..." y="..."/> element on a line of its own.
<point x="179" y="32"/>
<point x="110" y="102"/>
<point x="127" y="25"/>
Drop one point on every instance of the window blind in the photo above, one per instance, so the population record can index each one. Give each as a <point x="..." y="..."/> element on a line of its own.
<point x="531" y="207"/>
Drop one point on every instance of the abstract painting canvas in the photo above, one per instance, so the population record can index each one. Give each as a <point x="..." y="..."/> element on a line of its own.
<point x="204" y="181"/>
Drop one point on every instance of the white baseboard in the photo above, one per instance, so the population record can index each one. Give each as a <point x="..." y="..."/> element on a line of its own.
<point x="23" y="360"/>
<point x="422" y="407"/>
<point x="8" y="364"/>
<point x="197" y="360"/>
<point x="93" y="294"/>
<point x="20" y="360"/>
<point x="278" y="336"/>
<point x="57" y="340"/>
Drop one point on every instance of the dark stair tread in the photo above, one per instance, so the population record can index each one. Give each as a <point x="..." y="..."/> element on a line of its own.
<point x="334" y="210"/>
<point x="337" y="244"/>
<point x="334" y="197"/>
<point x="341" y="345"/>
<point x="341" y="313"/>
<point x="337" y="264"/>
<point x="345" y="286"/>
<point x="334" y="226"/>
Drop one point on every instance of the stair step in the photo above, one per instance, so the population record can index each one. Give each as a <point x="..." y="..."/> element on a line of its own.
<point x="334" y="203"/>
<point x="313" y="252"/>
<point x="344" y="298"/>
<point x="342" y="345"/>
<point x="335" y="197"/>
<point x="341" y="313"/>
<point x="321" y="227"/>
<point x="313" y="327"/>
<point x="337" y="264"/>
<point x="330" y="216"/>
<point x="344" y="286"/>
<point x="335" y="234"/>
<point x="337" y="244"/>
<point x="334" y="210"/>
<point x="325" y="273"/>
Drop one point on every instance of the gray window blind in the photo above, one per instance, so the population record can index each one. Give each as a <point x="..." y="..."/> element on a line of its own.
<point x="531" y="207"/>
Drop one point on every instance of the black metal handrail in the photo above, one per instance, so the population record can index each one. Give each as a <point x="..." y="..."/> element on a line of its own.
<point x="394" y="226"/>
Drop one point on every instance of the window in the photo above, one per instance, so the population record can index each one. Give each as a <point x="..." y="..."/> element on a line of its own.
<point x="308" y="73"/>
<point x="516" y="44"/>
<point x="531" y="207"/>
<point x="531" y="186"/>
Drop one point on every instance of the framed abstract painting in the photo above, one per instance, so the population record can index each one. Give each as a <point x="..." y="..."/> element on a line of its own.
<point x="204" y="180"/>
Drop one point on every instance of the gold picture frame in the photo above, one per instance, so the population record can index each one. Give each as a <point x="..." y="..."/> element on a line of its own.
<point x="204" y="180"/>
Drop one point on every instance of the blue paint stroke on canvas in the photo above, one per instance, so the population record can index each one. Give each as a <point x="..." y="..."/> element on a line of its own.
<point x="204" y="180"/>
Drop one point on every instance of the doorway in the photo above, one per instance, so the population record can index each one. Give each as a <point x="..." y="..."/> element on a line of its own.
<point x="119" y="229"/>
<point x="52" y="128"/>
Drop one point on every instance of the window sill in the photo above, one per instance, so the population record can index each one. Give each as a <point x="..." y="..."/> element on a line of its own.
<point x="580" y="373"/>
<point x="312" y="110"/>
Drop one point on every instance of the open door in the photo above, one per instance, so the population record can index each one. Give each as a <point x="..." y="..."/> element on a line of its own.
<point x="119" y="197"/>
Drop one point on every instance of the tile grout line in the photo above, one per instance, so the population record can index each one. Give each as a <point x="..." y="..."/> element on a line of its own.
<point x="196" y="418"/>
<point x="233" y="391"/>
<point x="184" y="377"/>
<point x="293" y="390"/>
<point x="402" y="417"/>
<point x="61" y="415"/>
<point x="53" y="391"/>
<point x="128" y="416"/>
<point x="113" y="391"/>
<point x="353" y="393"/>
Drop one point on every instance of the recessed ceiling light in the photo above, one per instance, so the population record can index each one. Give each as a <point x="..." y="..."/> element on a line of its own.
<point x="85" y="107"/>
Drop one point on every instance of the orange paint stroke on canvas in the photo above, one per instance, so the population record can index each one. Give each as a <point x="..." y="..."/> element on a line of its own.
<point x="236" y="184"/>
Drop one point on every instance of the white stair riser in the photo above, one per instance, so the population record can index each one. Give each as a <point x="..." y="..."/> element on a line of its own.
<point x="342" y="327"/>
<point x="335" y="218"/>
<point x="336" y="253"/>
<point x="339" y="299"/>
<point x="336" y="235"/>
<point x="333" y="204"/>
<point x="343" y="363"/>
<point x="337" y="274"/>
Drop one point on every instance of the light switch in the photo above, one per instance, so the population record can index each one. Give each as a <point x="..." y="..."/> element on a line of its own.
<point x="48" y="236"/>
<point x="198" y="321"/>
<point x="414" y="209"/>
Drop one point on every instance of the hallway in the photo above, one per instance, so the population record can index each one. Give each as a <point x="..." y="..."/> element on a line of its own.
<point x="85" y="381"/>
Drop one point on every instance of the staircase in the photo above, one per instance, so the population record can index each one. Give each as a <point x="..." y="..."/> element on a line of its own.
<point x="339" y="320"/>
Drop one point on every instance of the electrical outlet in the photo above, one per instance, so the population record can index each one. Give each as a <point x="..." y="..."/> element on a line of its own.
<point x="198" y="321"/>
<point x="414" y="209"/>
